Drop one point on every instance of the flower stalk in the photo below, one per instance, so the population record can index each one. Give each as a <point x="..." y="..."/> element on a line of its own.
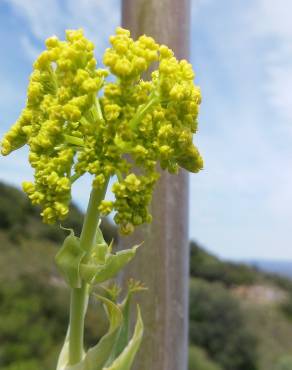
<point x="79" y="296"/>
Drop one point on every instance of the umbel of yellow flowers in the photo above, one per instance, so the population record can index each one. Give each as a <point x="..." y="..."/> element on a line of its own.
<point x="75" y="121"/>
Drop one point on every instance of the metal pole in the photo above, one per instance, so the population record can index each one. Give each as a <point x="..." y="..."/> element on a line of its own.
<point x="163" y="260"/>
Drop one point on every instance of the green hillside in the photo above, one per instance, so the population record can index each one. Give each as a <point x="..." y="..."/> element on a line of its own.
<point x="240" y="318"/>
<point x="33" y="299"/>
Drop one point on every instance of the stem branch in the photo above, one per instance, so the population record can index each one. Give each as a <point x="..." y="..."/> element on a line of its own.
<point x="79" y="296"/>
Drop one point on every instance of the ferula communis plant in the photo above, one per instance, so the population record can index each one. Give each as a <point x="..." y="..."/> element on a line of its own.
<point x="77" y="121"/>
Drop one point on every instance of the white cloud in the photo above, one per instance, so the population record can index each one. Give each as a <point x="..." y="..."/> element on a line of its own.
<point x="48" y="17"/>
<point x="42" y="16"/>
<point x="31" y="50"/>
<point x="270" y="18"/>
<point x="279" y="87"/>
<point x="197" y="5"/>
<point x="271" y="27"/>
<point x="12" y="95"/>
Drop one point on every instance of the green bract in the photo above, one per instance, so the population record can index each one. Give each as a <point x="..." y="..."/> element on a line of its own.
<point x="97" y="266"/>
<point x="75" y="121"/>
<point x="116" y="350"/>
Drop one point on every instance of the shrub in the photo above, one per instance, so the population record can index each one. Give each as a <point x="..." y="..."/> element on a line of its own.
<point x="13" y="207"/>
<point x="209" y="267"/>
<point x="284" y="363"/>
<point x="32" y="326"/>
<point x="199" y="360"/>
<point x="217" y="324"/>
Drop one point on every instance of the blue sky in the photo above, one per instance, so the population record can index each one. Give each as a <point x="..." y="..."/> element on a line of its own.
<point x="241" y="204"/>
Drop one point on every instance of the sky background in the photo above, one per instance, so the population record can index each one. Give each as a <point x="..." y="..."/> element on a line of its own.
<point x="241" y="50"/>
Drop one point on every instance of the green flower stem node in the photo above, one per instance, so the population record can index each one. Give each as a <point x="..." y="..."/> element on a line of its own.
<point x="94" y="273"/>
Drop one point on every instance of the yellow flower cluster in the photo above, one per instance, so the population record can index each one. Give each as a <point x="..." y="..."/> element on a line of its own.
<point x="135" y="123"/>
<point x="128" y="59"/>
<point x="61" y="91"/>
<point x="131" y="207"/>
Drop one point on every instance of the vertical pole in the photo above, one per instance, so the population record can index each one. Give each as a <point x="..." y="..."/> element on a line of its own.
<point x="163" y="260"/>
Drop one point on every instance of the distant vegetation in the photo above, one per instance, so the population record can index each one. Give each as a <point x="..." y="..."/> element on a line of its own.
<point x="230" y="329"/>
<point x="210" y="268"/>
<point x="239" y="316"/>
<point x="217" y="325"/>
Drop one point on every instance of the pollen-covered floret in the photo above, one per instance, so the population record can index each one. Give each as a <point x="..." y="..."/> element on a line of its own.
<point x="128" y="59"/>
<point x="76" y="121"/>
<point x="62" y="90"/>
<point x="133" y="196"/>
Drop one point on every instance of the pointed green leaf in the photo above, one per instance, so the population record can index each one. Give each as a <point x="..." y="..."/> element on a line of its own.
<point x="64" y="354"/>
<point x="96" y="273"/>
<point x="68" y="260"/>
<point x="123" y="335"/>
<point x="100" y="252"/>
<point x="114" y="264"/>
<point x="88" y="271"/>
<point x="64" y="357"/>
<point x="97" y="356"/>
<point x="125" y="360"/>
<point x="101" y="249"/>
<point x="99" y="236"/>
<point x="78" y="366"/>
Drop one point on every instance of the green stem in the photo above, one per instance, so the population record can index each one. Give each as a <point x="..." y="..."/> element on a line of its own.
<point x="79" y="296"/>
<point x="99" y="112"/>
<point x="142" y="112"/>
<point x="78" y="307"/>
<point x="75" y="177"/>
<point x="74" y="140"/>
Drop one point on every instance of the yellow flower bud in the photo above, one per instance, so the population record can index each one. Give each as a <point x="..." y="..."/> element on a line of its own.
<point x="105" y="207"/>
<point x="122" y="31"/>
<point x="52" y="42"/>
<point x="123" y="67"/>
<point x="127" y="228"/>
<point x="98" y="181"/>
<point x="28" y="187"/>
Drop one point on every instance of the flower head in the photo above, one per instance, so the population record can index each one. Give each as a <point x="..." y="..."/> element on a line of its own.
<point x="75" y="121"/>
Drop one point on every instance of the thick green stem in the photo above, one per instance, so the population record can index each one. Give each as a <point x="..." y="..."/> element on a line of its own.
<point x="79" y="296"/>
<point x="78" y="306"/>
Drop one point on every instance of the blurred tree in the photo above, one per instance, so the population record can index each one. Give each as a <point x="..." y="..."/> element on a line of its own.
<point x="199" y="360"/>
<point x="211" y="268"/>
<point x="33" y="320"/>
<point x="216" y="324"/>
<point x="14" y="207"/>
<point x="284" y="363"/>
